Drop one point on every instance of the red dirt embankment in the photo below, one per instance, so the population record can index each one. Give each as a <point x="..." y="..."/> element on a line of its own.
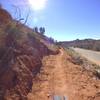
<point x="59" y="76"/>
<point x="20" y="58"/>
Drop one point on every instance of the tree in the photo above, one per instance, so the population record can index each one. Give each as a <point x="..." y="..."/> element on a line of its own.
<point x="51" y="40"/>
<point x="42" y="30"/>
<point x="13" y="34"/>
<point x="36" y="29"/>
<point x="0" y="6"/>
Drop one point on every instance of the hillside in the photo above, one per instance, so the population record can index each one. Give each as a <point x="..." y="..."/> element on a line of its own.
<point x="21" y="53"/>
<point x="33" y="68"/>
<point x="86" y="44"/>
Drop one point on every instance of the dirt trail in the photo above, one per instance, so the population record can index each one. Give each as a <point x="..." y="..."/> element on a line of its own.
<point x="59" y="76"/>
<point x="58" y="85"/>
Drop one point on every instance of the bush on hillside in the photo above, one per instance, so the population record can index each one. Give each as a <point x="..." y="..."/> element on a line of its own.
<point x="13" y="33"/>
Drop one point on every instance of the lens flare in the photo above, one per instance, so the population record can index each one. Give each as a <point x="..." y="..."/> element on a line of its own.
<point x="38" y="4"/>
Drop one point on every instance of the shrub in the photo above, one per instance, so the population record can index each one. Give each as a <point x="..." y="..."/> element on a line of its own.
<point x="13" y="33"/>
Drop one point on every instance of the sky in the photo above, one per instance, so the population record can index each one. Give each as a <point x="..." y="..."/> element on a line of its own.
<point x="64" y="20"/>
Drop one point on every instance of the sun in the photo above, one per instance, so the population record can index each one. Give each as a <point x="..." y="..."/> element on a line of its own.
<point x="38" y="4"/>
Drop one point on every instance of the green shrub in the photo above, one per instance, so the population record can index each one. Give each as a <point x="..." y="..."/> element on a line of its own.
<point x="13" y="30"/>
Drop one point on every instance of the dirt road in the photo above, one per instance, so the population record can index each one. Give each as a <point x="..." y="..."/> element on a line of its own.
<point x="89" y="54"/>
<point x="59" y="76"/>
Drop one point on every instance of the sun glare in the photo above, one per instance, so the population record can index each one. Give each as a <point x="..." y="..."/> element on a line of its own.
<point x="37" y="4"/>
